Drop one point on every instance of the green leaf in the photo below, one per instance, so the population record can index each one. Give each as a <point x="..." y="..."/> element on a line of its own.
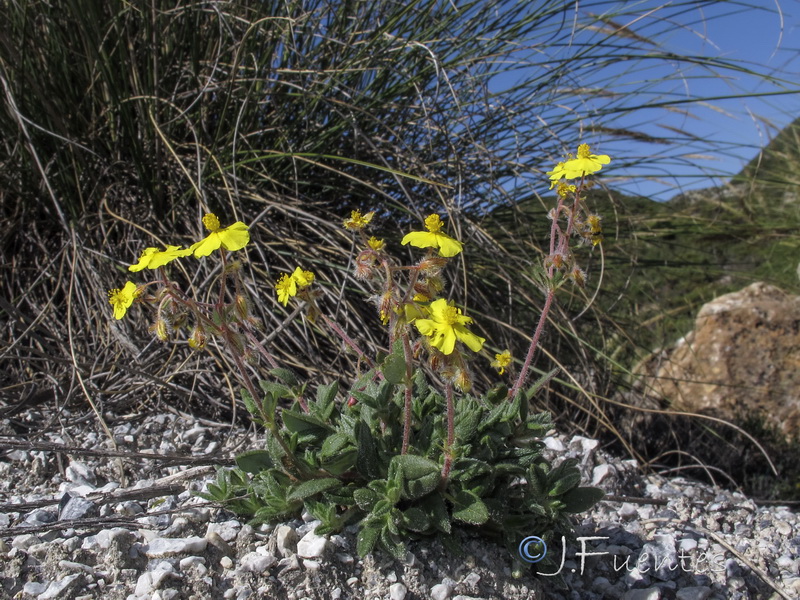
<point x="367" y="538"/>
<point x="543" y="380"/>
<point x="313" y="487"/>
<point x="249" y="403"/>
<point x="415" y="519"/>
<point x="365" y="499"/>
<point x="566" y="482"/>
<point x="581" y="499"/>
<point x="367" y="462"/>
<point x="298" y="422"/>
<point x="435" y="507"/>
<point x="418" y="476"/>
<point x="326" y="394"/>
<point x="254" y="461"/>
<point x="285" y="376"/>
<point x="469" y="508"/>
<point x="334" y="444"/>
<point x="277" y="390"/>
<point x="394" y="368"/>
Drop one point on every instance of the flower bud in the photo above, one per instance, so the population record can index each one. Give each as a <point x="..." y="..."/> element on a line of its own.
<point x="241" y="307"/>
<point x="198" y="339"/>
<point x="160" y="329"/>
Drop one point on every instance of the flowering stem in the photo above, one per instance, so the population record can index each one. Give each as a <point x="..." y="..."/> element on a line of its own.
<point x="347" y="340"/>
<point x="451" y="434"/>
<point x="523" y="374"/>
<point x="408" y="390"/>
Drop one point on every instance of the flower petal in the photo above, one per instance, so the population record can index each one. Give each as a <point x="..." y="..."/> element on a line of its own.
<point x="447" y="245"/>
<point x="206" y="246"/>
<point x="234" y="237"/>
<point x="420" y="239"/>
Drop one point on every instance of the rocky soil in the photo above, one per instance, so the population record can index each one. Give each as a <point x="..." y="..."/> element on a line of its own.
<point x="76" y="523"/>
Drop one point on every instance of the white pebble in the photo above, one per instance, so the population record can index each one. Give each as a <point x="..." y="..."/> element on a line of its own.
<point x="599" y="473"/>
<point x="225" y="562"/>
<point x="163" y="547"/>
<point x="286" y="540"/>
<point x="256" y="563"/>
<point x="312" y="545"/>
<point x="440" y="592"/>
<point x="397" y="591"/>
<point x="553" y="443"/>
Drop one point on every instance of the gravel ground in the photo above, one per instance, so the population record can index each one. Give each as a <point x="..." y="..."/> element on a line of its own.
<point x="74" y="524"/>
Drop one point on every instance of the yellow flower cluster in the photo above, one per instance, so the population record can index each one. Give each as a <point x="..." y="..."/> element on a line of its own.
<point x="231" y="238"/>
<point x="585" y="163"/>
<point x="288" y="285"/>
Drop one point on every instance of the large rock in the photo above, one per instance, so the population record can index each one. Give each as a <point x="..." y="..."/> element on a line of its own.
<point x="741" y="360"/>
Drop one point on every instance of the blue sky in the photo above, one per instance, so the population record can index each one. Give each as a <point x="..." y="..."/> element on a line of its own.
<point x="765" y="41"/>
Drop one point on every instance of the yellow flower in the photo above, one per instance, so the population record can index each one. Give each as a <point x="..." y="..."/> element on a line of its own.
<point x="414" y="310"/>
<point x="585" y="163"/>
<point x="357" y="221"/>
<point x="565" y="190"/>
<point x="288" y="285"/>
<point x="433" y="238"/>
<point x="376" y="244"/>
<point x="447" y="325"/>
<point x="232" y="238"/>
<point x="122" y="299"/>
<point x="501" y="361"/>
<point x="303" y="278"/>
<point x="153" y="258"/>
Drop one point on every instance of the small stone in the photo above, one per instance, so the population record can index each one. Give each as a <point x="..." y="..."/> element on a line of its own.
<point x="25" y="541"/>
<point x="150" y="581"/>
<point x="628" y="511"/>
<point x="227" y="530"/>
<point x="695" y="592"/>
<point x="34" y="588"/>
<point x="783" y="528"/>
<point x="648" y="594"/>
<point x="600" y="472"/>
<point x="80" y="473"/>
<point x="397" y="591"/>
<point x="472" y="579"/>
<point x="286" y="540"/>
<point x="76" y="507"/>
<point x="220" y="544"/>
<point x="440" y="592"/>
<point x="554" y="444"/>
<point x="59" y="588"/>
<point x="352" y="581"/>
<point x="164" y="547"/>
<point x="75" y="566"/>
<point x="312" y="545"/>
<point x="311" y="565"/>
<point x="191" y="561"/>
<point x="256" y="563"/>
<point x="226" y="562"/>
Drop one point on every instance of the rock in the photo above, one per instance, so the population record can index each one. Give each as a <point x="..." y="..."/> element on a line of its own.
<point x="696" y="592"/>
<point x="440" y="592"/>
<point x="150" y="581"/>
<point x="312" y="545"/>
<point x="75" y="507"/>
<point x="397" y="591"/>
<point x="164" y="547"/>
<point x="740" y="360"/>
<point x="286" y="540"/>
<point x="648" y="594"/>
<point x="59" y="588"/>
<point x="257" y="563"/>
